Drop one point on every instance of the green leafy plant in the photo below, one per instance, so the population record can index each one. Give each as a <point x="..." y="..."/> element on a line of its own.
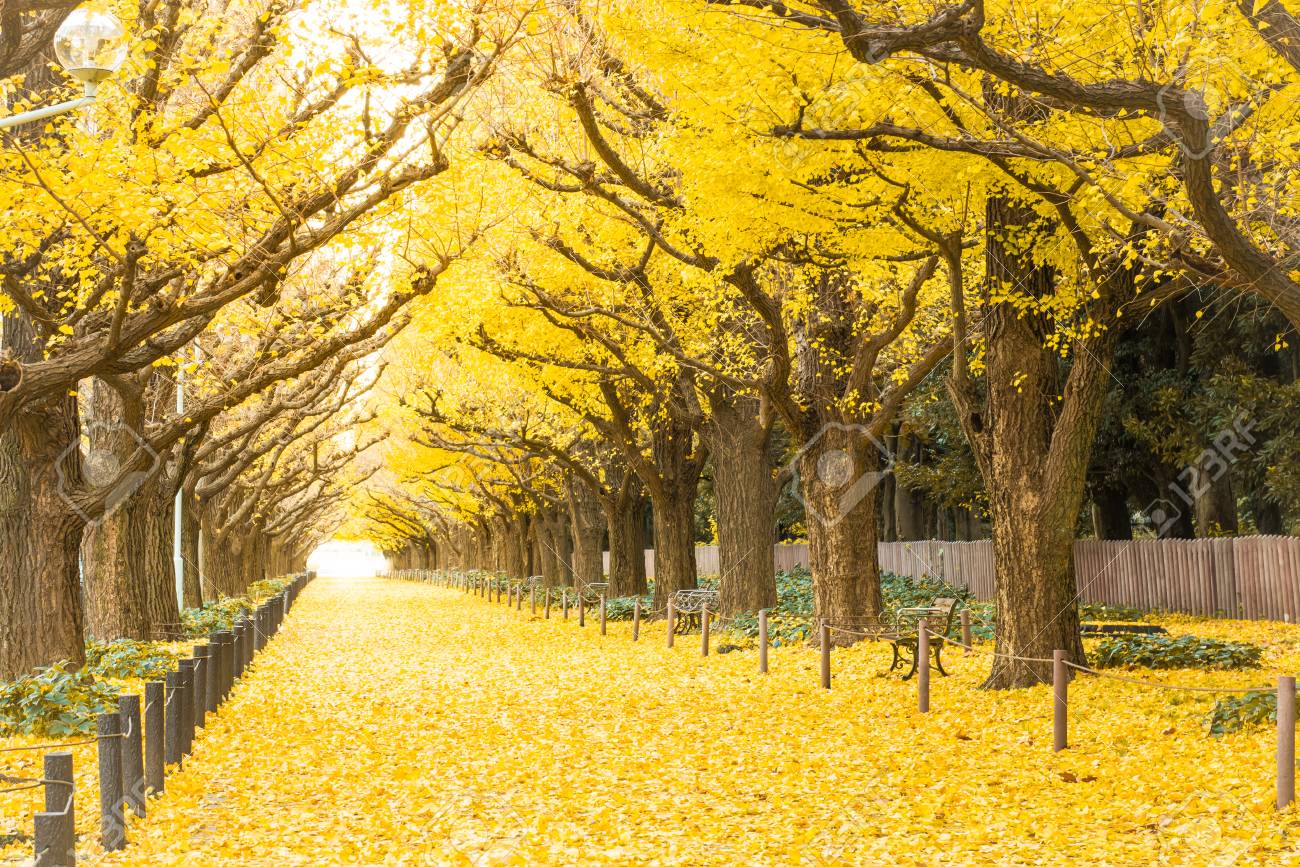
<point x="54" y="702"/>
<point x="1185" y="651"/>
<point x="1101" y="613"/>
<point x="266" y="588"/>
<point x="1234" y="713"/>
<point x="125" y="658"/>
<point x="216" y="615"/>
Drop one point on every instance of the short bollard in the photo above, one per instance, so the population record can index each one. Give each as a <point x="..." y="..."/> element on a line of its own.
<point x="519" y="598"/>
<point x="704" y="630"/>
<point x="965" y="629"/>
<point x="227" y="663"/>
<point x="128" y="707"/>
<point x="1060" y="700"/>
<point x="112" y="818"/>
<point x="532" y="600"/>
<point x="922" y="666"/>
<point x="762" y="641"/>
<point x="546" y="600"/>
<point x="200" y="685"/>
<point x="582" y="610"/>
<point x="824" y="639"/>
<point x="172" y="740"/>
<point x="212" y="688"/>
<point x="672" y="622"/>
<point x="1285" y="742"/>
<point x="55" y="834"/>
<point x="564" y="602"/>
<point x="602" y="614"/>
<point x="154" y="738"/>
<point x="185" y="668"/>
<point x="636" y="620"/>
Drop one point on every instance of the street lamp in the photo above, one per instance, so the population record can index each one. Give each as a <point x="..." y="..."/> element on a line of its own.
<point x="91" y="46"/>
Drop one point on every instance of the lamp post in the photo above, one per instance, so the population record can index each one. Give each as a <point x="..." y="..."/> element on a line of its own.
<point x="91" y="46"/>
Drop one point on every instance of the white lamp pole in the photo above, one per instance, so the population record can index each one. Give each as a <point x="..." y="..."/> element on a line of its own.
<point x="91" y="46"/>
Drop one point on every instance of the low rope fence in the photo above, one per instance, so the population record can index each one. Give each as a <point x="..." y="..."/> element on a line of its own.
<point x="484" y="584"/>
<point x="136" y="747"/>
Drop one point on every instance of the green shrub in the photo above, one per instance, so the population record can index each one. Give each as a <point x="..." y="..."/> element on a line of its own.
<point x="1100" y="612"/>
<point x="1185" y="651"/>
<point x="1234" y="713"/>
<point x="54" y="703"/>
<point x="215" y="615"/>
<point x="259" y="591"/>
<point x="125" y="658"/>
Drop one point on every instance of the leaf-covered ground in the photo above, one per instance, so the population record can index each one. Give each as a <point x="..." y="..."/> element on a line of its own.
<point x="397" y="723"/>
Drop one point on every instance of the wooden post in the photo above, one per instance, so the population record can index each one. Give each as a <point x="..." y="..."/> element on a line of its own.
<point x="175" y="715"/>
<point x="923" y="666"/>
<point x="212" y="689"/>
<point x="1060" y="700"/>
<point x="824" y="639"/>
<point x="704" y="630"/>
<point x="186" y="672"/>
<point x="200" y="685"/>
<point x="1285" y="742"/>
<point x="227" y="663"/>
<point x="965" y="629"/>
<point x="519" y="598"/>
<point x="154" y="757"/>
<point x="112" y="819"/>
<point x="602" y="614"/>
<point x="546" y="602"/>
<point x="762" y="641"/>
<point x="532" y="599"/>
<point x="55" y="831"/>
<point x="237" y="638"/>
<point x="636" y="619"/>
<point x="564" y="601"/>
<point x="128" y="707"/>
<point x="582" y="610"/>
<point x="672" y="621"/>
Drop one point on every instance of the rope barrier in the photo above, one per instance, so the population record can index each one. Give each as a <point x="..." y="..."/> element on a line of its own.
<point x="1172" y="686"/>
<point x="36" y="747"/>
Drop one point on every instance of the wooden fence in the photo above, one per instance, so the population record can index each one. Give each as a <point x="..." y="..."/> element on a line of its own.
<point x="1253" y="577"/>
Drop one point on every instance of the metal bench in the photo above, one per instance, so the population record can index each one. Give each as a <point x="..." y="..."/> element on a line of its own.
<point x="906" y="641"/>
<point x="687" y="606"/>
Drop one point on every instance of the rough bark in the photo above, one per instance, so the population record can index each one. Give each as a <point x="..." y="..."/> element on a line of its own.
<point x="1035" y="456"/>
<point x="587" y="528"/>
<point x="190" y="562"/>
<point x="625" y="520"/>
<point x="746" y="492"/>
<point x="41" y="617"/>
<point x="839" y="471"/>
<point x="1216" y="503"/>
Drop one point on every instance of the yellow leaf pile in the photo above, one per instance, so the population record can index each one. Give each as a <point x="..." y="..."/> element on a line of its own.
<point x="401" y="723"/>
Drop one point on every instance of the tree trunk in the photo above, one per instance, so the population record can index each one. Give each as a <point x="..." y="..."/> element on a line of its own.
<point x="190" y="562"/>
<point x="41" y="617"/>
<point x="626" y="524"/>
<point x="678" y="459"/>
<point x="1216" y="504"/>
<point x="839" y="471"/>
<point x="1039" y="448"/>
<point x="746" y="493"/>
<point x="588" y="530"/>
<point x="1111" y="518"/>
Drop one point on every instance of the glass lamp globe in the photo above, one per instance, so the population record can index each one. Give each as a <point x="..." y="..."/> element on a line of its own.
<point x="91" y="45"/>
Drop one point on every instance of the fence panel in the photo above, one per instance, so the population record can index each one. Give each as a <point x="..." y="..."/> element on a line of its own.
<point x="1254" y="577"/>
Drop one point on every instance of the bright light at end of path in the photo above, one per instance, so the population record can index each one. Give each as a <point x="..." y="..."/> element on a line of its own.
<point x="347" y="560"/>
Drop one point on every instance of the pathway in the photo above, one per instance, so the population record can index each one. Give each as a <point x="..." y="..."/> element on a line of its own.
<point x="399" y="723"/>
